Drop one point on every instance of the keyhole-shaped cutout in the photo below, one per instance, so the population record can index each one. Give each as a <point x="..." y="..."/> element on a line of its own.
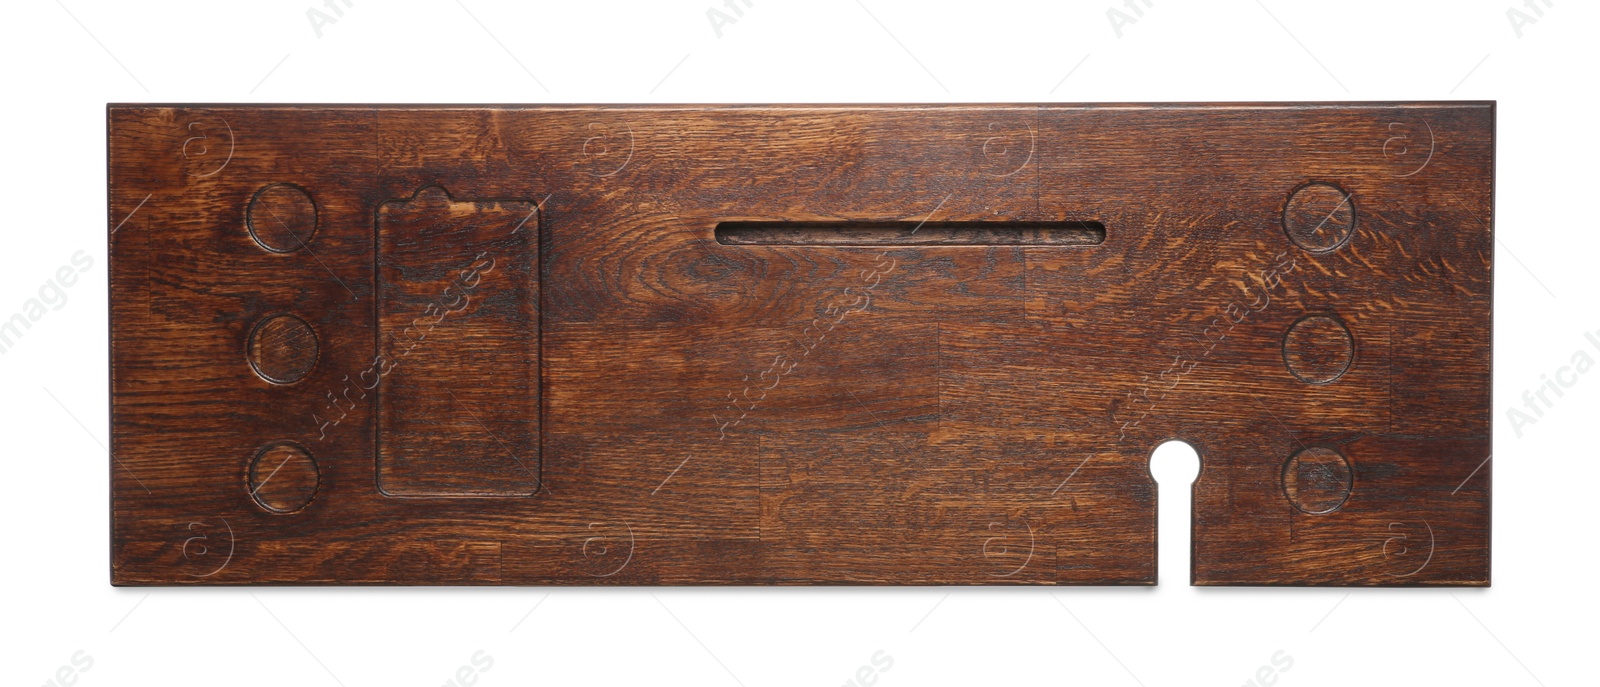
<point x="1174" y="465"/>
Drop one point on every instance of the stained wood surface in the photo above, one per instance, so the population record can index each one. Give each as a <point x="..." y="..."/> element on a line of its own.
<point x="713" y="344"/>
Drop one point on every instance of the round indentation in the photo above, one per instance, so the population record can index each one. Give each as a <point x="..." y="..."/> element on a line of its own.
<point x="283" y="477"/>
<point x="281" y="218"/>
<point x="1317" y="480"/>
<point x="282" y="349"/>
<point x="1318" y="349"/>
<point x="1319" y="216"/>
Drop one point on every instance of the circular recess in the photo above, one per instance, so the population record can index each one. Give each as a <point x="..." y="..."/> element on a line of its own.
<point x="282" y="349"/>
<point x="1318" y="349"/>
<point x="281" y="218"/>
<point x="283" y="477"/>
<point x="1319" y="216"/>
<point x="1317" y="480"/>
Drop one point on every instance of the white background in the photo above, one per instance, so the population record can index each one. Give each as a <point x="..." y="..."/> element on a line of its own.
<point x="64" y="60"/>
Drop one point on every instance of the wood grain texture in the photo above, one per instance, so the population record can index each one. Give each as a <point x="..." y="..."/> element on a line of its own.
<point x="508" y="345"/>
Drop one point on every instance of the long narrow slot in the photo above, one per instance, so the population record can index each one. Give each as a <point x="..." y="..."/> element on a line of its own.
<point x="969" y="233"/>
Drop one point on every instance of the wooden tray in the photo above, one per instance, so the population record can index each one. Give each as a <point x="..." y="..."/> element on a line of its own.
<point x="880" y="344"/>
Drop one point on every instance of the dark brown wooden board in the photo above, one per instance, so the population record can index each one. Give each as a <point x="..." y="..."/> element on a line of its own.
<point x="878" y="344"/>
